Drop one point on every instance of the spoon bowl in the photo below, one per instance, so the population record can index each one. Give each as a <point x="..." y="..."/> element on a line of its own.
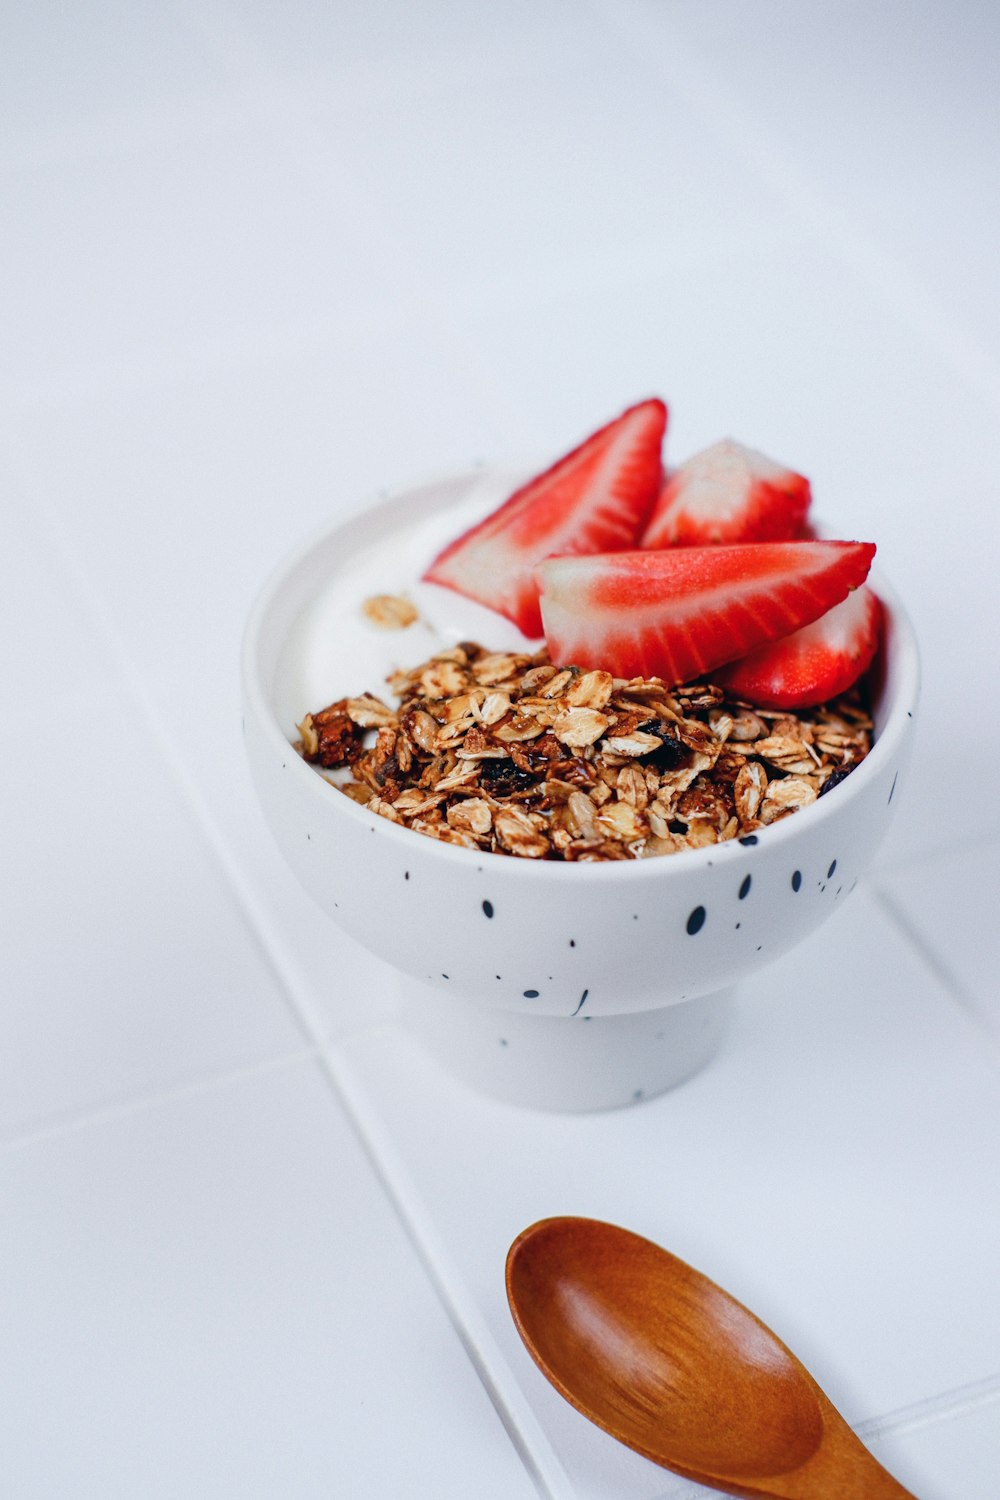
<point x="674" y="1367"/>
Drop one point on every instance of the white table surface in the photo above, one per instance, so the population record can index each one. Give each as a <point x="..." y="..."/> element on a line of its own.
<point x="259" y="261"/>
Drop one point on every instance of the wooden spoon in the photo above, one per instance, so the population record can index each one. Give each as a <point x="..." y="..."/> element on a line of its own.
<point x="671" y="1365"/>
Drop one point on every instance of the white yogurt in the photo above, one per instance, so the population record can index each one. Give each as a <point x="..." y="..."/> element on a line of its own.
<point x="334" y="650"/>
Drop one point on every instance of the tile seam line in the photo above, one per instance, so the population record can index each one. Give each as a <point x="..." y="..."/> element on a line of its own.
<point x="302" y="146"/>
<point x="917" y="1417"/>
<point x="248" y="906"/>
<point x="946" y="847"/>
<point x="468" y="1323"/>
<point x="534" y="1451"/>
<point x="877" y="266"/>
<point x="933" y="1411"/>
<point x="298" y="148"/>
<point x="71" y="1123"/>
<point x="254" y="346"/>
<point x="933" y="961"/>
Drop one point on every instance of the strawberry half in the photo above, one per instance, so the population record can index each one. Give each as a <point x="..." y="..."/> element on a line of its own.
<point x="683" y="611"/>
<point x="728" y="493"/>
<point x="595" y="499"/>
<point x="814" y="663"/>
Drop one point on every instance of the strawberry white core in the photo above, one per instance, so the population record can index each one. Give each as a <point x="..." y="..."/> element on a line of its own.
<point x="718" y="478"/>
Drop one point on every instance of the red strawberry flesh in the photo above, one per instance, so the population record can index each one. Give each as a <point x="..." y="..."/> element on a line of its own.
<point x="595" y="499"/>
<point x="728" y="493"/>
<point x="681" y="612"/>
<point x="813" y="664"/>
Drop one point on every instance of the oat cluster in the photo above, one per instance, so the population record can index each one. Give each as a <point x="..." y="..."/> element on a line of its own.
<point x="505" y="753"/>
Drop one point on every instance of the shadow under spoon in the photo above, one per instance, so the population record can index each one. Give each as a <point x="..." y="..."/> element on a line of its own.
<point x="672" y="1366"/>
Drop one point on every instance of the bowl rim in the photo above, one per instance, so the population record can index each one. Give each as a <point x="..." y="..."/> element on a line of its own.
<point x="906" y="670"/>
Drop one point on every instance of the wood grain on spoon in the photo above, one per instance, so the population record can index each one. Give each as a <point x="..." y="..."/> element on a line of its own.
<point x="672" y="1366"/>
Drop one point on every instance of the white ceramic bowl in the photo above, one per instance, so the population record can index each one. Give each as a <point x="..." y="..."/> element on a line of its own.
<point x="563" y="986"/>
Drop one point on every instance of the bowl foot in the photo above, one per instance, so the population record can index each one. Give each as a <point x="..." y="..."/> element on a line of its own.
<point x="561" y="1064"/>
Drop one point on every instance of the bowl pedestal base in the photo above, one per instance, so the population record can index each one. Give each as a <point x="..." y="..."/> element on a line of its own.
<point x="567" y="1064"/>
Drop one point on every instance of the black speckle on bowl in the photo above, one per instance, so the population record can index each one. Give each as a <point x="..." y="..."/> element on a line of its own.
<point x="696" y="920"/>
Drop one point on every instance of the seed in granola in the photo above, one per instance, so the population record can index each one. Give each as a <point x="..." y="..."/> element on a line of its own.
<point x="421" y="728"/>
<point x="389" y="611"/>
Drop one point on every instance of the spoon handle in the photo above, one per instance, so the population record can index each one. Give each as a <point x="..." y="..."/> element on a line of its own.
<point x="842" y="1468"/>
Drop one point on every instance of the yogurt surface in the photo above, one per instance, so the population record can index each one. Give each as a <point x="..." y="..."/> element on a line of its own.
<point x="334" y="650"/>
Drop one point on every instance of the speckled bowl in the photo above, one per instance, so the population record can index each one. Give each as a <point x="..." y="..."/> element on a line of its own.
<point x="571" y="987"/>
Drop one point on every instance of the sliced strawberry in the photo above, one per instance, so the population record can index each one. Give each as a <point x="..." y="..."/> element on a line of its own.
<point x="684" y="611"/>
<point x="595" y="499"/>
<point x="814" y="663"/>
<point x="728" y="493"/>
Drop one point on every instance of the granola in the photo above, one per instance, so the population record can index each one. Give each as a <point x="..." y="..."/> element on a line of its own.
<point x="505" y="753"/>
<point x="389" y="611"/>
